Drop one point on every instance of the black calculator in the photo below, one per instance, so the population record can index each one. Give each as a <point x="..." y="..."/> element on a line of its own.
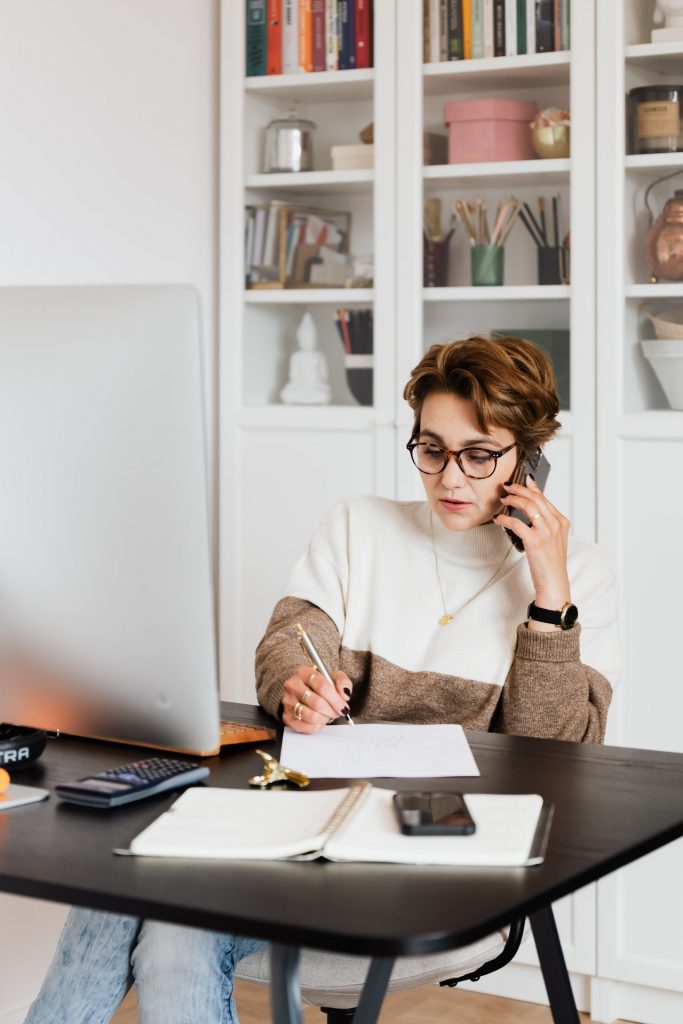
<point x="130" y="782"/>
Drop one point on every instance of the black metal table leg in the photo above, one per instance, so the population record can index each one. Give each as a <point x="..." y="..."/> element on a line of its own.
<point x="285" y="992"/>
<point x="374" y="990"/>
<point x="553" y="966"/>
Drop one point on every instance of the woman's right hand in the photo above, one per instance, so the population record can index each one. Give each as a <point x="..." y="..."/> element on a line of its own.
<point x="309" y="702"/>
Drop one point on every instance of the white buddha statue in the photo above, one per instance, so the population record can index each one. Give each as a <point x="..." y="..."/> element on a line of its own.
<point x="671" y="13"/>
<point x="308" y="382"/>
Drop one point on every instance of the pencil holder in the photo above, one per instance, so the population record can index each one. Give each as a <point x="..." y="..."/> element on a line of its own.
<point x="487" y="264"/>
<point x="359" y="371"/>
<point x="434" y="262"/>
<point x="549" y="265"/>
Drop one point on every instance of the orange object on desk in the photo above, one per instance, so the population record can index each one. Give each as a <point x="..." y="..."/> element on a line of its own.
<point x="4" y="780"/>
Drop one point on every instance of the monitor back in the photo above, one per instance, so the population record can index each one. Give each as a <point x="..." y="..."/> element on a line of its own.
<point x="106" y="603"/>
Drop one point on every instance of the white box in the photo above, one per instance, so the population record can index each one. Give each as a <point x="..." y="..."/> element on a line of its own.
<point x="353" y="158"/>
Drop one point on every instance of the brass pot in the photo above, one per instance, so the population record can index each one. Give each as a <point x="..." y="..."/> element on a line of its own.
<point x="664" y="242"/>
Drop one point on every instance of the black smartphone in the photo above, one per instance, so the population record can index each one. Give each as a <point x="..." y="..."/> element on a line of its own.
<point x="536" y="465"/>
<point x="433" y="814"/>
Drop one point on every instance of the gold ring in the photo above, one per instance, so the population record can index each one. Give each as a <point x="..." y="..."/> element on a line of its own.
<point x="298" y="708"/>
<point x="312" y="676"/>
<point x="307" y="693"/>
<point x="537" y="516"/>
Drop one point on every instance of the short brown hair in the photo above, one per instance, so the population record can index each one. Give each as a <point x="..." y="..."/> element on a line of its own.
<point x="510" y="382"/>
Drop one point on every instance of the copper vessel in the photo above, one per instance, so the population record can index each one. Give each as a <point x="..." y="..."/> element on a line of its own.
<point x="664" y="242"/>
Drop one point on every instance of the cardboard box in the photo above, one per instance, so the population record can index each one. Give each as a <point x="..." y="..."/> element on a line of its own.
<point x="352" y="158"/>
<point x="480" y="131"/>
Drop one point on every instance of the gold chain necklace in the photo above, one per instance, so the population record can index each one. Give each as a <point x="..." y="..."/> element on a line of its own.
<point x="447" y="617"/>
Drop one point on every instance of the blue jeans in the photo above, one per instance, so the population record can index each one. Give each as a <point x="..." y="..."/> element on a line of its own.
<point x="182" y="975"/>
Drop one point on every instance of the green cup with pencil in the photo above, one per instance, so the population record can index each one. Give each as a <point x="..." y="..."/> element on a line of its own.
<point x="487" y="249"/>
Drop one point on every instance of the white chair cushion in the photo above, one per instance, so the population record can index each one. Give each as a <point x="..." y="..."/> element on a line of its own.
<point x="335" y="979"/>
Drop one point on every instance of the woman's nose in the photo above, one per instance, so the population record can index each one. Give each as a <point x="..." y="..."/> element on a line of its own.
<point x="452" y="475"/>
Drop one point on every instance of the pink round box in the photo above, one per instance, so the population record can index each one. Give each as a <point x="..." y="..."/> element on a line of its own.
<point x="480" y="131"/>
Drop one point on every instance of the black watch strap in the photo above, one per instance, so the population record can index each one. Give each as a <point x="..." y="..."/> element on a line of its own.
<point x="565" y="618"/>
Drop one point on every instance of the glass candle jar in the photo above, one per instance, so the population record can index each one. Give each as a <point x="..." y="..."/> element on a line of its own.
<point x="656" y="119"/>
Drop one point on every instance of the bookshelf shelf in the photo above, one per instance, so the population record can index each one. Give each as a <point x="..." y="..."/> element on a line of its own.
<point x="646" y="163"/>
<point x="514" y="172"/>
<point x="320" y="182"/>
<point x="516" y="293"/>
<point x="665" y="290"/>
<point x="308" y="296"/>
<point x="662" y="58"/>
<point x="299" y="417"/>
<point x="315" y="86"/>
<point x="522" y="72"/>
<point x="652" y="425"/>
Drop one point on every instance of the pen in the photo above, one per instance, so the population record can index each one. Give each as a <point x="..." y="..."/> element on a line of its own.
<point x="310" y="651"/>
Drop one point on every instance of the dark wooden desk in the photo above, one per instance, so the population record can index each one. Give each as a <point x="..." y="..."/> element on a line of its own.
<point x="612" y="806"/>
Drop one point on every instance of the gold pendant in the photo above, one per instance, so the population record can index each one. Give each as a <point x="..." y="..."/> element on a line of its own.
<point x="445" y="619"/>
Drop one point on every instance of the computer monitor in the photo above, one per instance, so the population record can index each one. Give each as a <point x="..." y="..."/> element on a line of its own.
<point x="106" y="602"/>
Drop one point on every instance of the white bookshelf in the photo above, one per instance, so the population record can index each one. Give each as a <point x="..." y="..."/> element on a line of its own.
<point x="639" y="967"/>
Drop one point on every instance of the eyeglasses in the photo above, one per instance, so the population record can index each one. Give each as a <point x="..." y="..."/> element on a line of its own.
<point x="477" y="463"/>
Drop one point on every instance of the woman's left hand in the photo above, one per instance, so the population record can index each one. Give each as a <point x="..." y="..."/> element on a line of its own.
<point x="545" y="541"/>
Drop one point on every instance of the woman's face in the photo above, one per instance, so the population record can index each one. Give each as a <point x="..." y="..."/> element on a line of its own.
<point x="459" y="501"/>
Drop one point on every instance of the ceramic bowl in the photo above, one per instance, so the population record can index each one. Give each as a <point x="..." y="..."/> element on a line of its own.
<point x="551" y="142"/>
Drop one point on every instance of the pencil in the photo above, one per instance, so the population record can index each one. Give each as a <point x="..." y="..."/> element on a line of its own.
<point x="556" y="228"/>
<point x="527" y="224"/>
<point x="534" y="222"/>
<point x="541" y="208"/>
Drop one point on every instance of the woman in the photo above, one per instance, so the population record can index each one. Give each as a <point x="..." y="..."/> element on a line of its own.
<point x="425" y="612"/>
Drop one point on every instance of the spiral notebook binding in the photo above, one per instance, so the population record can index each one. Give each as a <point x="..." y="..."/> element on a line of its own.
<point x="358" y="791"/>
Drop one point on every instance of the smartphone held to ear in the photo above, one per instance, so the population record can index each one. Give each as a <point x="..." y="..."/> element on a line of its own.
<point x="433" y="814"/>
<point x="537" y="466"/>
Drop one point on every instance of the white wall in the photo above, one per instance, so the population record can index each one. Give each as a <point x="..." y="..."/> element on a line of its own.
<point x="108" y="174"/>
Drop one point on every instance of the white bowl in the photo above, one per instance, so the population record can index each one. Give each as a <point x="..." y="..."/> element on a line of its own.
<point x="665" y="356"/>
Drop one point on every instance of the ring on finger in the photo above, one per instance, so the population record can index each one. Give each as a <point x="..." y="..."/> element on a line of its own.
<point x="537" y="516"/>
<point x="312" y="676"/>
<point x="307" y="693"/>
<point x="298" y="710"/>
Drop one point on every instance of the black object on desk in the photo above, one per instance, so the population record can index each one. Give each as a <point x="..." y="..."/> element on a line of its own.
<point x="380" y="910"/>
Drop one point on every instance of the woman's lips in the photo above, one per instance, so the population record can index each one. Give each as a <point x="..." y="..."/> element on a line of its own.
<point x="454" y="505"/>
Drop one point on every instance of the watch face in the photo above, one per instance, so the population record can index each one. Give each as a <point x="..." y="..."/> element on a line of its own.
<point x="570" y="616"/>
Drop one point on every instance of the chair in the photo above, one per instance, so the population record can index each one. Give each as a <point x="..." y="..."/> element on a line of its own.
<point x="334" y="981"/>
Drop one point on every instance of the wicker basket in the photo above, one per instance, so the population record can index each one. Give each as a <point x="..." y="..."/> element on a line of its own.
<point x="669" y="324"/>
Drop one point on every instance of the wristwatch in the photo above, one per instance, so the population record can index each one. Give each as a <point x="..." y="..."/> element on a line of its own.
<point x="567" y="616"/>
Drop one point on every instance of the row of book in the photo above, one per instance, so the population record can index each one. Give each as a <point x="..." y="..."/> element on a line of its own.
<point x="465" y="29"/>
<point x="287" y="245"/>
<point x="290" y="36"/>
<point x="354" y="327"/>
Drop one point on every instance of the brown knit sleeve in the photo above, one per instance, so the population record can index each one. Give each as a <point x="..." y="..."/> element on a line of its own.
<point x="549" y="693"/>
<point x="279" y="653"/>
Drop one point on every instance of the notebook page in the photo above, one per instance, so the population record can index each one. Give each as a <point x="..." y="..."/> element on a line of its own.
<point x="388" y="750"/>
<point x="505" y="828"/>
<point x="240" y="823"/>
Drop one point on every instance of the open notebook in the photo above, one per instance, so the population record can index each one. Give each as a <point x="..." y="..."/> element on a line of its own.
<point x="351" y="824"/>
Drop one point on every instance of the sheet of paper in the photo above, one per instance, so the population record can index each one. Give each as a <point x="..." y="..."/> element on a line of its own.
<point x="380" y="751"/>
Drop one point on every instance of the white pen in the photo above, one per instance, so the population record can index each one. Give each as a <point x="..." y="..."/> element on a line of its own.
<point x="317" y="662"/>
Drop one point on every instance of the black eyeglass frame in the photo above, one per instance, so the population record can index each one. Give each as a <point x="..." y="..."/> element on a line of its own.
<point x="449" y="453"/>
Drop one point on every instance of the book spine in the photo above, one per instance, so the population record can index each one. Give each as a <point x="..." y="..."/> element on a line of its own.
<point x="363" y="58"/>
<point x="352" y="33"/>
<point x="305" y="36"/>
<point x="545" y="32"/>
<point x="434" y="31"/>
<point x="455" y="49"/>
<point x="290" y="37"/>
<point x="426" y="36"/>
<point x="557" y="26"/>
<point x="467" y="29"/>
<point x="443" y="30"/>
<point x="274" y="39"/>
<point x="318" y="39"/>
<point x="521" y="27"/>
<point x="477" y="28"/>
<point x="344" y="35"/>
<point x="498" y="28"/>
<point x="256" y="37"/>
<point x="488" y="28"/>
<point x="511" y="28"/>
<point x="531" y="26"/>
<point x="565" y="35"/>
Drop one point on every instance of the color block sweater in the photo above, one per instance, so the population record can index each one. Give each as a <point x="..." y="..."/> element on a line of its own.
<point x="367" y="592"/>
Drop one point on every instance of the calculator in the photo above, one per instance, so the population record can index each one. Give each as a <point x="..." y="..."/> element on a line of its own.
<point x="130" y="782"/>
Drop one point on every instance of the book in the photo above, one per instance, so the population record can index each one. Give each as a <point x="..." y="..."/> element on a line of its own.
<point x="530" y="26"/>
<point x="426" y="31"/>
<point x="305" y="36"/>
<point x="477" y="12"/>
<point x="521" y="26"/>
<point x="273" y="39"/>
<point x="434" y="31"/>
<point x="318" y="36"/>
<point x="332" y="35"/>
<point x="565" y="29"/>
<point x="511" y="28"/>
<point x="488" y="28"/>
<point x="443" y="30"/>
<point x="347" y="55"/>
<point x="356" y="823"/>
<point x="467" y="29"/>
<point x="256" y="37"/>
<point x="499" y="28"/>
<point x="363" y="33"/>
<point x="290" y="37"/>
<point x="545" y="26"/>
<point x="455" y="47"/>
